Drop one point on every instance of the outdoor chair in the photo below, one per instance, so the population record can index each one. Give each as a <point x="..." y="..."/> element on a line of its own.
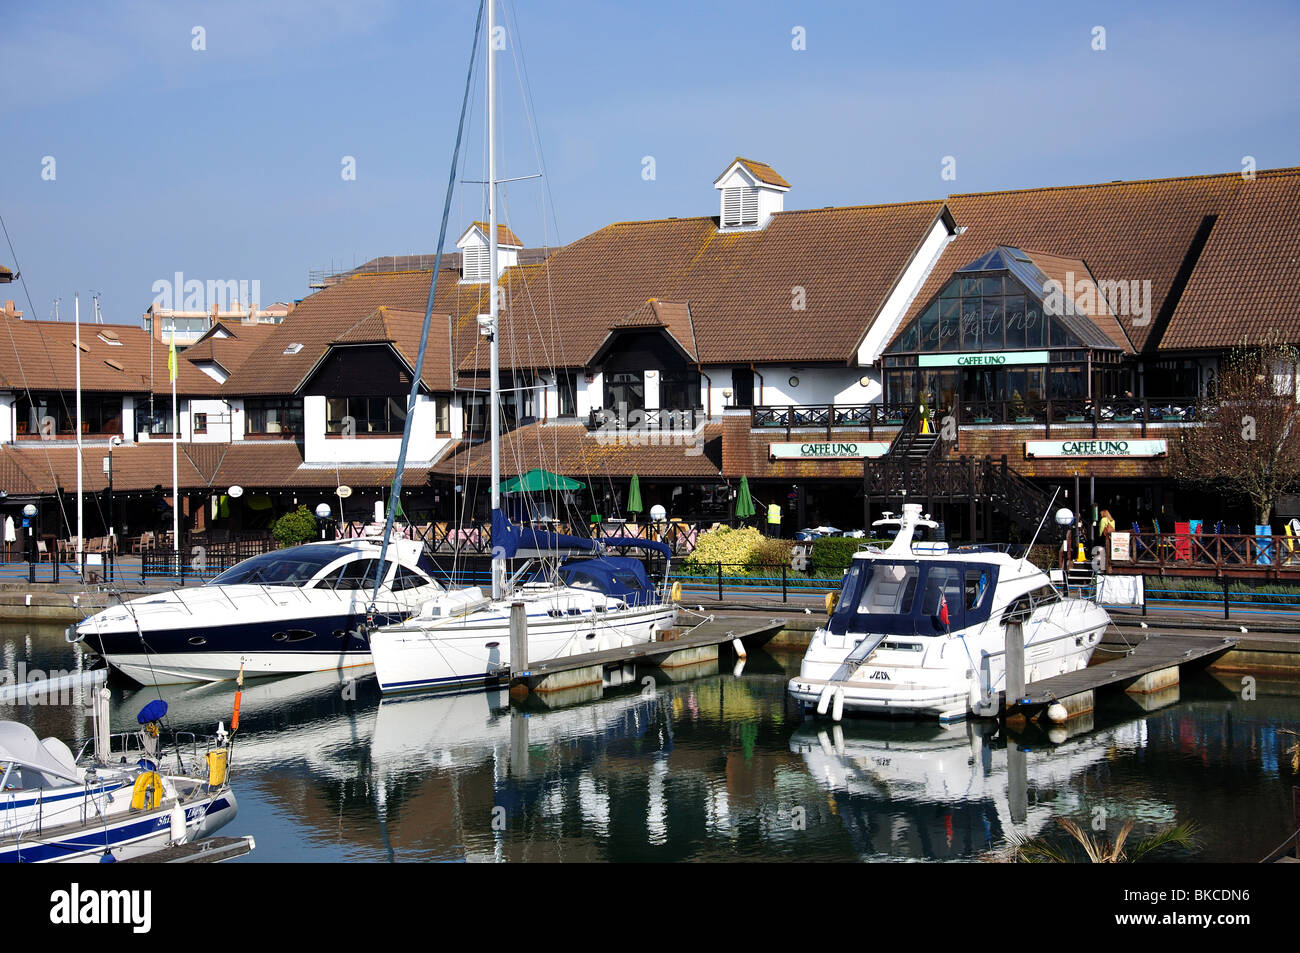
<point x="42" y="552"/>
<point x="1140" y="545"/>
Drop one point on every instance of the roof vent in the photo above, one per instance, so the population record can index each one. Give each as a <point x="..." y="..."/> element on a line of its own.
<point x="293" y="348"/>
<point x="752" y="192"/>
<point x="114" y="364"/>
<point x="110" y="338"/>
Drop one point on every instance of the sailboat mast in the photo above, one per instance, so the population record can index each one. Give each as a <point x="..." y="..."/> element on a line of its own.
<point x="81" y="500"/>
<point x="494" y="399"/>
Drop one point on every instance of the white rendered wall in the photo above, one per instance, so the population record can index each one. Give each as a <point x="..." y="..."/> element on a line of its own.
<point x="322" y="448"/>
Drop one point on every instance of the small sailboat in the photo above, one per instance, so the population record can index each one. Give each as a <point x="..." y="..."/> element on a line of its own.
<point x="920" y="629"/>
<point x="601" y="601"/>
<point x="130" y="797"/>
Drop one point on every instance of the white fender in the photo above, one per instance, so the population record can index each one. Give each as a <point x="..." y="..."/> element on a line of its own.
<point x="1056" y="713"/>
<point x="739" y="646"/>
<point x="837" y="710"/>
<point x="177" y="824"/>
<point x="824" y="699"/>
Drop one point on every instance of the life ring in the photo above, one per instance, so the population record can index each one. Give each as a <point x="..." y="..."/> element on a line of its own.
<point x="831" y="599"/>
<point x="677" y="592"/>
<point x="140" y="793"/>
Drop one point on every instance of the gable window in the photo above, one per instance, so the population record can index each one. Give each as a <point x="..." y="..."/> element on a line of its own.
<point x="442" y="413"/>
<point x="739" y="207"/>
<point x="200" y="423"/>
<point x="273" y="416"/>
<point x="365" y="415"/>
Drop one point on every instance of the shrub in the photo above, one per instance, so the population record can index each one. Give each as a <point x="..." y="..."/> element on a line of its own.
<point x="734" y="548"/>
<point x="833" y="553"/>
<point x="295" y="527"/>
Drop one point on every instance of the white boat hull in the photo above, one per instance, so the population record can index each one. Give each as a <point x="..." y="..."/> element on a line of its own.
<point x="475" y="649"/>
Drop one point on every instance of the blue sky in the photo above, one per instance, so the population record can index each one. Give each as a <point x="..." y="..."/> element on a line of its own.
<point x="225" y="163"/>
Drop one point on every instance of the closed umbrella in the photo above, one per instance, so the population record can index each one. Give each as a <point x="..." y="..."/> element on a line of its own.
<point x="744" y="502"/>
<point x="634" y="496"/>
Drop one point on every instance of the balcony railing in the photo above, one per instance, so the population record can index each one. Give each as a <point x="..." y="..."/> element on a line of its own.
<point x="1075" y="412"/>
<point x="828" y="417"/>
<point x="633" y="420"/>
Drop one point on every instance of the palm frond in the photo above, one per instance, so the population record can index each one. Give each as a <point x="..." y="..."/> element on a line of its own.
<point x="1180" y="835"/>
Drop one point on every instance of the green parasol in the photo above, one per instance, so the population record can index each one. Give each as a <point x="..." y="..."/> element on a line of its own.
<point x="744" y="502"/>
<point x="535" y="481"/>
<point x="634" y="496"/>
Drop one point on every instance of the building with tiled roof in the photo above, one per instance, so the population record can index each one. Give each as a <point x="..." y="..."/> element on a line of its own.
<point x="1042" y="326"/>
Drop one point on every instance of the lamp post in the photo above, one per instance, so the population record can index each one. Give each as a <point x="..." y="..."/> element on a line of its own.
<point x="111" y="556"/>
<point x="323" y="514"/>
<point x="1064" y="519"/>
<point x="30" y="512"/>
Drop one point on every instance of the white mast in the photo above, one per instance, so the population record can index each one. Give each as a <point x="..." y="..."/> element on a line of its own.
<point x="81" y="507"/>
<point x="494" y="400"/>
<point x="176" y="427"/>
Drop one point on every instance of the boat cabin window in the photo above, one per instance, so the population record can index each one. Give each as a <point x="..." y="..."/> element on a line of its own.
<point x="1025" y="603"/>
<point x="295" y="566"/>
<point x="911" y="598"/>
<point x="408" y="579"/>
<point x="358" y="574"/>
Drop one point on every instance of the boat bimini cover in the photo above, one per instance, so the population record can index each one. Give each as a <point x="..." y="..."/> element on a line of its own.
<point x="619" y="576"/>
<point x="19" y="744"/>
<point x="522" y="541"/>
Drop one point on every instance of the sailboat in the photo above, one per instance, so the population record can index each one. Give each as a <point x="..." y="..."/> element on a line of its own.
<point x="590" y="601"/>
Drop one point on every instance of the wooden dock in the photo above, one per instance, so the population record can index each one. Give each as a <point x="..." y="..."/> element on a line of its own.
<point x="692" y="646"/>
<point x="210" y="850"/>
<point x="1151" y="668"/>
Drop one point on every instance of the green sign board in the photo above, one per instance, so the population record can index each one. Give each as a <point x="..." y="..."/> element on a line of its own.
<point x="985" y="359"/>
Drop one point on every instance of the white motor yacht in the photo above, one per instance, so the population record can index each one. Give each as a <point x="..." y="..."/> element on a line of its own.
<point x="302" y="609"/>
<point x="920" y="629"/>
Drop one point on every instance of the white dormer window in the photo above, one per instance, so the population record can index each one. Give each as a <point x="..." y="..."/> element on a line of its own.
<point x="739" y="207"/>
<point x="475" y="263"/>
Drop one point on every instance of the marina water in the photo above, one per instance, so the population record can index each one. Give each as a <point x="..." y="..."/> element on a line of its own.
<point x="704" y="765"/>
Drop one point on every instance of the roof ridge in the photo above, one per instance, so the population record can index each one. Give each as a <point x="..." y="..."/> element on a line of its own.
<point x="1284" y="171"/>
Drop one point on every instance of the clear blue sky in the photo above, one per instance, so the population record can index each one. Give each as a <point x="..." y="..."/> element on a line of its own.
<point x="225" y="163"/>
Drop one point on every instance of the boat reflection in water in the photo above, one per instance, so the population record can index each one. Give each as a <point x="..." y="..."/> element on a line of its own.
<point x="908" y="790"/>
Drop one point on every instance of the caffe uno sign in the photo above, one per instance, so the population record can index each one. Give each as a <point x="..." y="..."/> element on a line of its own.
<point x="985" y="359"/>
<point x="828" y="451"/>
<point x="1096" y="448"/>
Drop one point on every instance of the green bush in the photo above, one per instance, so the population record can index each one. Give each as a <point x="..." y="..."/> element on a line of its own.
<point x="1211" y="590"/>
<point x="835" y="553"/>
<point x="295" y="527"/>
<point x="734" y="548"/>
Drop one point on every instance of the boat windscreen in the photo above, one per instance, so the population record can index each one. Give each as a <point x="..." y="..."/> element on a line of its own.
<point x="913" y="598"/>
<point x="286" y="567"/>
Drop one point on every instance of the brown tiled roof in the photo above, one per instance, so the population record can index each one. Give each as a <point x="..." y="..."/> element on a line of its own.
<point x="740" y="285"/>
<point x="504" y="235"/>
<point x="1247" y="281"/>
<point x="748" y="453"/>
<point x="252" y="464"/>
<point x="40" y="355"/>
<point x="229" y="352"/>
<point x="759" y="170"/>
<point x="673" y="316"/>
<point x="1124" y="230"/>
<point x="568" y="449"/>
<point x="401" y="330"/>
<point x="1089" y="301"/>
<point x="324" y="316"/>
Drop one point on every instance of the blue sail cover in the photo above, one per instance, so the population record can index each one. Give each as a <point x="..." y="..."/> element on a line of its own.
<point x="509" y="540"/>
<point x="632" y="542"/>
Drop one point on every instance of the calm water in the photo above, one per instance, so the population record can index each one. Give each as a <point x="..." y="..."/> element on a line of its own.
<point x="711" y="766"/>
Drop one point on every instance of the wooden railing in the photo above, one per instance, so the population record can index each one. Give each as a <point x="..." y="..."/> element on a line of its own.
<point x="1211" y="554"/>
<point x="828" y="417"/>
<point x="658" y="419"/>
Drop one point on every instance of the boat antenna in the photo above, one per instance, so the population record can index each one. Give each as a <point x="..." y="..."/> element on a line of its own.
<point x="418" y="370"/>
<point x="1050" y="504"/>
